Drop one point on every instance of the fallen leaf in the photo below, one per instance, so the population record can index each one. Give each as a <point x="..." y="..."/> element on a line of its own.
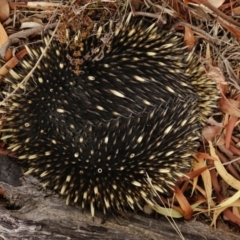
<point x="236" y="11"/>
<point x="4" y="10"/>
<point x="184" y="204"/>
<point x="7" y="54"/>
<point x="229" y="179"/>
<point x="189" y="38"/>
<point x="216" y="3"/>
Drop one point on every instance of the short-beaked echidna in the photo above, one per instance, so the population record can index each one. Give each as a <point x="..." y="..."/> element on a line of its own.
<point x="130" y="117"/>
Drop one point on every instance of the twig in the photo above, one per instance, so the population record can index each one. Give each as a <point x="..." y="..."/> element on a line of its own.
<point x="198" y="30"/>
<point x="28" y="32"/>
<point x="217" y="11"/>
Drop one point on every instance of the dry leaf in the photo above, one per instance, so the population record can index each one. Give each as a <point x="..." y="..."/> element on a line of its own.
<point x="227" y="212"/>
<point x="230" y="201"/>
<point x="42" y="4"/>
<point x="216" y="3"/>
<point x="201" y="163"/>
<point x="211" y="133"/>
<point x="170" y="212"/>
<point x="3" y="36"/>
<point x="236" y="11"/>
<point x="208" y="53"/>
<point x="4" y="10"/>
<point x="229" y="130"/>
<point x="30" y="25"/>
<point x="230" y="106"/>
<point x="236" y="211"/>
<point x="189" y="38"/>
<point x="183" y="202"/>
<point x="229" y="179"/>
<point x="6" y="53"/>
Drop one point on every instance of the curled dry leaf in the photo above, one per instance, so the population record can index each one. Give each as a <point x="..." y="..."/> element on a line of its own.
<point x="4" y="10"/>
<point x="233" y="182"/>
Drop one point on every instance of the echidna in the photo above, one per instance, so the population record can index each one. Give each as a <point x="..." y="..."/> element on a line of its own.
<point x="130" y="117"/>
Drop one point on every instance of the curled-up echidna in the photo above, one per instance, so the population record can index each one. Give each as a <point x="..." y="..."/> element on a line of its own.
<point x="131" y="115"/>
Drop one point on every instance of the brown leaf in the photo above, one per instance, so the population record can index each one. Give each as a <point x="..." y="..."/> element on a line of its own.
<point x="236" y="11"/>
<point x="4" y="10"/>
<point x="7" y="54"/>
<point x="3" y="36"/>
<point x="183" y="202"/>
<point x="216" y="3"/>
<point x="189" y="38"/>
